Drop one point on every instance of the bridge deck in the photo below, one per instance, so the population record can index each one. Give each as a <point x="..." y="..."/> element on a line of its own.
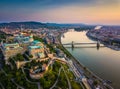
<point x="78" y="43"/>
<point x="84" y="47"/>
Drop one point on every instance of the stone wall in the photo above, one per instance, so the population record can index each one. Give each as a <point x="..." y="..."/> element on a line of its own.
<point x="12" y="52"/>
<point x="33" y="52"/>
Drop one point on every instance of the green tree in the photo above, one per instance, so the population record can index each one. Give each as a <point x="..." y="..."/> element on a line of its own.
<point x="95" y="83"/>
<point x="31" y="56"/>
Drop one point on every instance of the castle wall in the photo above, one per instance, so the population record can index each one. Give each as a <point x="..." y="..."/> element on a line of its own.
<point x="12" y="52"/>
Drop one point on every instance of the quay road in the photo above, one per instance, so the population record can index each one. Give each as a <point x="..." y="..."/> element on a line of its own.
<point x="76" y="70"/>
<point x="79" y="72"/>
<point x="79" y="75"/>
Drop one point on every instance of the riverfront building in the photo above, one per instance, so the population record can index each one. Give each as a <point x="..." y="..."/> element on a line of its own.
<point x="71" y="30"/>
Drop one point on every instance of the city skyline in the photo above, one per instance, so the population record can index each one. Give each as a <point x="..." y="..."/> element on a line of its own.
<point x="104" y="12"/>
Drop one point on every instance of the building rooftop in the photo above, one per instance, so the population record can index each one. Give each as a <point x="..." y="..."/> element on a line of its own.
<point x="41" y="54"/>
<point x="36" y="42"/>
<point x="12" y="44"/>
<point x="35" y="47"/>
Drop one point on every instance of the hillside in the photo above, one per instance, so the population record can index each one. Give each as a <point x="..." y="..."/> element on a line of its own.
<point x="36" y="25"/>
<point x="26" y="25"/>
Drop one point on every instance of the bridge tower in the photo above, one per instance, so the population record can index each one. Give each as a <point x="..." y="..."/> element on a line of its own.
<point x="72" y="44"/>
<point x="98" y="44"/>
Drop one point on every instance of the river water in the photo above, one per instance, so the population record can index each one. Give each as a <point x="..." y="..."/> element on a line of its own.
<point x="104" y="62"/>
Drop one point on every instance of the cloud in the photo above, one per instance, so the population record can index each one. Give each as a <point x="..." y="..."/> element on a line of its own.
<point x="52" y="3"/>
<point x="88" y="11"/>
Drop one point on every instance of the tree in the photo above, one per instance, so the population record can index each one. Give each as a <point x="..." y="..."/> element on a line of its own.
<point x="31" y="56"/>
<point x="95" y="83"/>
<point x="85" y="68"/>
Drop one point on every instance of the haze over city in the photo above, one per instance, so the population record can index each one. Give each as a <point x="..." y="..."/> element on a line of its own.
<point x="59" y="44"/>
<point x="106" y="12"/>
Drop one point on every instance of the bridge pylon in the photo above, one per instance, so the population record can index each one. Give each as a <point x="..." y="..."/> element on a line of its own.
<point x="72" y="44"/>
<point x="98" y="44"/>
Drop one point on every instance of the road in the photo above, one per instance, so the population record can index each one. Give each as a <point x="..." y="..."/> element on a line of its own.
<point x="13" y="80"/>
<point x="2" y="86"/>
<point x="67" y="78"/>
<point x="57" y="79"/>
<point x="38" y="83"/>
<point x="79" y="74"/>
<point x="17" y="84"/>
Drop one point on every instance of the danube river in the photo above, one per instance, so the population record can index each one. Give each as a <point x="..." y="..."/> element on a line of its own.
<point x="104" y="62"/>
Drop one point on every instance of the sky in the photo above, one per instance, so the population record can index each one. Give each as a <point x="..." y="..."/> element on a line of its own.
<point x="104" y="12"/>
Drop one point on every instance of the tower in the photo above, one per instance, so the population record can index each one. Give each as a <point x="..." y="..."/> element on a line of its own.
<point x="72" y="44"/>
<point x="31" y="38"/>
<point x="21" y="29"/>
<point x="98" y="44"/>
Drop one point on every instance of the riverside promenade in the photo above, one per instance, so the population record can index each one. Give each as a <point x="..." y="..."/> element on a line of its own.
<point x="85" y="71"/>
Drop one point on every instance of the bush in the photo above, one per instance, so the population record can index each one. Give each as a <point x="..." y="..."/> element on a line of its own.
<point x="31" y="56"/>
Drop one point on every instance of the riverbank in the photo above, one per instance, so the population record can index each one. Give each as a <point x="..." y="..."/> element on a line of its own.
<point x="86" y="71"/>
<point x="106" y="43"/>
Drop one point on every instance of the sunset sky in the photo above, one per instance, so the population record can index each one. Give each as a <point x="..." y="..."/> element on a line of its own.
<point x="106" y="12"/>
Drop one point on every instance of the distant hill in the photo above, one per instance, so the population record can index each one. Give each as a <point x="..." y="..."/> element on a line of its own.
<point x="65" y="25"/>
<point x="26" y="25"/>
<point x="36" y="25"/>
